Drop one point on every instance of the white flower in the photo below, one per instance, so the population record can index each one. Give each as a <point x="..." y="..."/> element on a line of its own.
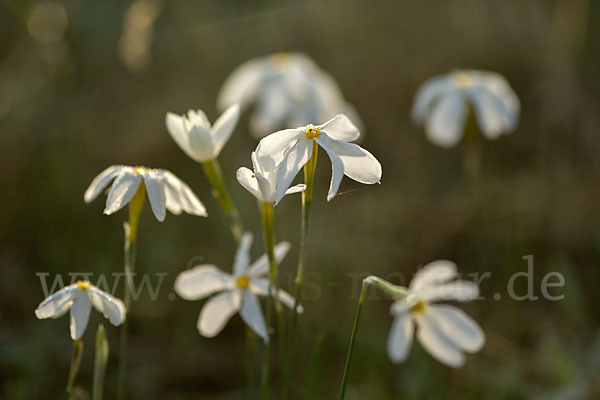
<point x="444" y="331"/>
<point x="165" y="190"/>
<point x="236" y="292"/>
<point x="262" y="183"/>
<point x="197" y="138"/>
<point x="442" y="104"/>
<point x="288" y="88"/>
<point x="290" y="149"/>
<point x="79" y="299"/>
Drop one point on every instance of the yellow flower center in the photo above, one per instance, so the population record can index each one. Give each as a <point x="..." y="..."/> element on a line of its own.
<point x="140" y="170"/>
<point x="419" y="307"/>
<point x="463" y="80"/>
<point x="83" y="285"/>
<point x="242" y="281"/>
<point x="311" y="132"/>
<point x="280" y="59"/>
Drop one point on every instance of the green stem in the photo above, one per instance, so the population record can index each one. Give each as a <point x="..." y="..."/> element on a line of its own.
<point x="268" y="217"/>
<point x="74" y="369"/>
<point x="361" y="301"/>
<point x="100" y="363"/>
<point x="309" y="174"/>
<point x="131" y="230"/>
<point x="473" y="155"/>
<point x="213" y="173"/>
<point x="249" y="353"/>
<point x="314" y="368"/>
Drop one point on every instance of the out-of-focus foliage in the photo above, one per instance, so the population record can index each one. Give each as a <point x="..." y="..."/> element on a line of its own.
<point x="81" y="88"/>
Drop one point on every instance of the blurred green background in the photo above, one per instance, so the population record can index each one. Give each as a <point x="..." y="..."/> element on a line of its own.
<point x="70" y="106"/>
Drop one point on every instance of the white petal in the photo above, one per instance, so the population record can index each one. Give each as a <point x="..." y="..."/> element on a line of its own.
<point x="436" y="342"/>
<point x="198" y="117"/>
<point x="337" y="166"/>
<point x="341" y="128"/>
<point x="217" y="311"/>
<point x="101" y="181"/>
<point x="242" y="85"/>
<point x="426" y="95"/>
<point x="111" y="307"/>
<point x="400" y="338"/>
<point x="248" y="180"/>
<point x="499" y="87"/>
<point x="201" y="144"/>
<point x="121" y="192"/>
<point x="252" y="315"/>
<point x="458" y="327"/>
<point x="172" y="196"/>
<point x="294" y="160"/>
<point x="242" y="256"/>
<point x="202" y="281"/>
<point x="57" y="304"/>
<point x="359" y="164"/>
<point x="180" y="197"/>
<point x="260" y="287"/>
<point x="489" y="111"/>
<point x="272" y="149"/>
<point x="288" y="300"/>
<point x="296" y="189"/>
<point x="179" y="132"/>
<point x="224" y="126"/>
<point x="156" y="195"/>
<point x="261" y="266"/>
<point x="272" y="110"/>
<point x="80" y="314"/>
<point x="446" y="122"/>
<point x="433" y="274"/>
<point x="457" y="290"/>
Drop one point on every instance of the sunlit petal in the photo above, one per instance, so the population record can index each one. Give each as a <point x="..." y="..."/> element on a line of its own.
<point x="80" y="315"/>
<point x="400" y="338"/>
<point x="217" y="311"/>
<point x="202" y="281"/>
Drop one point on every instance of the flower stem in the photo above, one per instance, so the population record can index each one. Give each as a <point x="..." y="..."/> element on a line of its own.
<point x="249" y="353"/>
<point x="214" y="174"/>
<point x="131" y="229"/>
<point x="268" y="215"/>
<point x="74" y="369"/>
<point x="100" y="361"/>
<point x="473" y="156"/>
<point x="309" y="174"/>
<point x="361" y="301"/>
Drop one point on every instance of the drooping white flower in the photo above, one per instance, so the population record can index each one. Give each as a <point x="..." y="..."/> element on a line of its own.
<point x="442" y="104"/>
<point x="443" y="330"/>
<point x="194" y="134"/>
<point x="165" y="191"/>
<point x="290" y="149"/>
<point x="262" y="182"/>
<point x="288" y="89"/>
<point x="79" y="299"/>
<point x="237" y="292"/>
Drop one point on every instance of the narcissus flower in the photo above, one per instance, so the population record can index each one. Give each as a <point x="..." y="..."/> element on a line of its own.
<point x="79" y="299"/>
<point x="237" y="292"/>
<point x="262" y="182"/>
<point x="165" y="191"/>
<point x="444" y="331"/>
<point x="290" y="149"/>
<point x="288" y="89"/>
<point x="443" y="104"/>
<point x="194" y="134"/>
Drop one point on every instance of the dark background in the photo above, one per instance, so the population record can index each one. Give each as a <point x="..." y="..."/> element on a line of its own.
<point x="70" y="106"/>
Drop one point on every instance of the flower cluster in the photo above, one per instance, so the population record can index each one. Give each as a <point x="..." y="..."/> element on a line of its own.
<point x="444" y="103"/>
<point x="290" y="90"/>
